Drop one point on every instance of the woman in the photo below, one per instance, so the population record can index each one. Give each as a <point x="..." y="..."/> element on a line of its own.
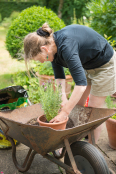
<point x="89" y="57"/>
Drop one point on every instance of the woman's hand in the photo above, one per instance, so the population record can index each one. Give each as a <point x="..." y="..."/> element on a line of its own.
<point x="60" y="117"/>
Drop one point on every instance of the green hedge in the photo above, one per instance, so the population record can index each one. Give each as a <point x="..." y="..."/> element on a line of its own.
<point x="28" y="21"/>
<point x="6" y="8"/>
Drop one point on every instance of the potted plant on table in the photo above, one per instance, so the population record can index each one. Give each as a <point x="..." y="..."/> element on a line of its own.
<point x="45" y="72"/>
<point x="50" y="100"/>
<point x="111" y="124"/>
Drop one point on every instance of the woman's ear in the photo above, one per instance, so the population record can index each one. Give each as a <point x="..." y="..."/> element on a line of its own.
<point x="44" y="48"/>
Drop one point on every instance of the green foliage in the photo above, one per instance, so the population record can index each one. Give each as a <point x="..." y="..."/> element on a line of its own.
<point x="0" y="17"/>
<point x="111" y="42"/>
<point x="80" y="10"/>
<point x="74" y="21"/>
<point x="7" y="21"/>
<point x="103" y="17"/>
<point x="28" y="21"/>
<point x="109" y="102"/>
<point x="33" y="90"/>
<point x="50" y="99"/>
<point x="30" y="84"/>
<point x="110" y="105"/>
<point x="46" y="69"/>
<point x="6" y="8"/>
<point x="52" y="4"/>
<point x="66" y="71"/>
<point x="114" y="117"/>
<point x="21" y="78"/>
<point x="14" y="15"/>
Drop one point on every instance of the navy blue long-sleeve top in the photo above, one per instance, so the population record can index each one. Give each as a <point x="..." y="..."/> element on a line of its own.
<point x="78" y="48"/>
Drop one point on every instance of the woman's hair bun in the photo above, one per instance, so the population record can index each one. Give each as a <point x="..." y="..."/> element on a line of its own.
<point x="45" y="27"/>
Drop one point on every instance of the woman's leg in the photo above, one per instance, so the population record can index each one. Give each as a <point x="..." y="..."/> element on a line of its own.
<point x="84" y="96"/>
<point x="96" y="102"/>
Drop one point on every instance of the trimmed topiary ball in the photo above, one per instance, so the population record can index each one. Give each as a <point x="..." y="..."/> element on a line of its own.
<point x="28" y="21"/>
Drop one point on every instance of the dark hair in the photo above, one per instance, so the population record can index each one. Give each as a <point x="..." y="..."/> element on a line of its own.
<point x="40" y="32"/>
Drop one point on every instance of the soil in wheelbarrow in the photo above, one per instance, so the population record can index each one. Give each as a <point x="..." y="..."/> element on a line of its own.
<point x="33" y="122"/>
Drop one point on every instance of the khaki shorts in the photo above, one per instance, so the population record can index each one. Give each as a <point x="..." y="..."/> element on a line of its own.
<point x="103" y="79"/>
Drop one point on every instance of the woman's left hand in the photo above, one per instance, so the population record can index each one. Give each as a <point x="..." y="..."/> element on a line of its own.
<point x="60" y="117"/>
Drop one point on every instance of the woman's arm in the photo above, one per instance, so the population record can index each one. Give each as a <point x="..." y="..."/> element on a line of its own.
<point x="74" y="99"/>
<point x="60" y="79"/>
<point x="63" y="93"/>
<point x="66" y="109"/>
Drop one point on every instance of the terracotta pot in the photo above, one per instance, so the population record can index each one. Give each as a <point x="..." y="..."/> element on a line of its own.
<point x="111" y="129"/>
<point x="61" y="125"/>
<point x="45" y="78"/>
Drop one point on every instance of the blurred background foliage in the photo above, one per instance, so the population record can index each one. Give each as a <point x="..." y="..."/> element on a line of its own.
<point x="103" y="17"/>
<point x="98" y="14"/>
<point x="63" y="8"/>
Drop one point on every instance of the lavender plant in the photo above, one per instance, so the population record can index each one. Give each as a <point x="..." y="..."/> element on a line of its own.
<point x="50" y="99"/>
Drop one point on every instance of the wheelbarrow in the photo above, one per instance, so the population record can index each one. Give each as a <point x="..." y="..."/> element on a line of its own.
<point x="80" y="157"/>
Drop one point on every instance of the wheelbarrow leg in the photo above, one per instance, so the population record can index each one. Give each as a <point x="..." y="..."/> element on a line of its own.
<point x="28" y="160"/>
<point x="72" y="160"/>
<point x="92" y="137"/>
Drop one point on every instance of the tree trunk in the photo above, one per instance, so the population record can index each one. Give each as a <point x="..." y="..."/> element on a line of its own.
<point x="60" y="9"/>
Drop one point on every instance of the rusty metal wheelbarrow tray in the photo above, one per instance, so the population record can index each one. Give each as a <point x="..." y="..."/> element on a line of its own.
<point x="43" y="140"/>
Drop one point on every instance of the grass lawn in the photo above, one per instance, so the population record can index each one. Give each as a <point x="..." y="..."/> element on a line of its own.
<point x="8" y="66"/>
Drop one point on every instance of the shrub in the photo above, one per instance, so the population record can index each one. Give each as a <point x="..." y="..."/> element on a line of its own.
<point x="28" y="21"/>
<point x="103" y="17"/>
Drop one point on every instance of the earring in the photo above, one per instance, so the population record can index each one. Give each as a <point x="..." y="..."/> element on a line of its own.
<point x="47" y="56"/>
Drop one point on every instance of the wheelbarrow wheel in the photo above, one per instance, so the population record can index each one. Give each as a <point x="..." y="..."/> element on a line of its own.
<point x="88" y="159"/>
